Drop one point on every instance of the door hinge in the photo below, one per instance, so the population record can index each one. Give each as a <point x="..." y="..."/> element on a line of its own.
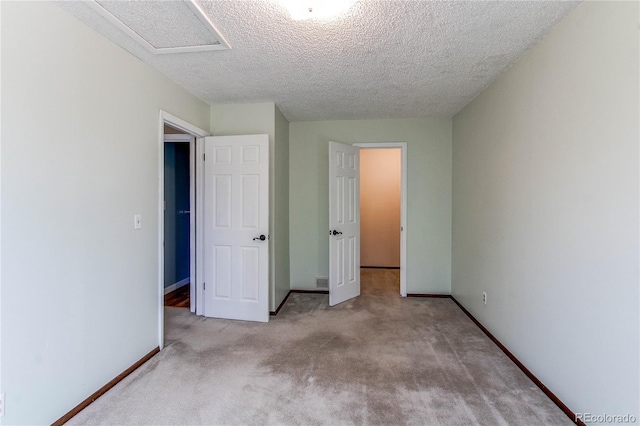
<point x="204" y="157"/>
<point x="204" y="286"/>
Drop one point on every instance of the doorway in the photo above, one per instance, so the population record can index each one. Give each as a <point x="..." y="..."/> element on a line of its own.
<point x="380" y="193"/>
<point x="383" y="213"/>
<point x="179" y="241"/>
<point x="187" y="134"/>
<point x="380" y="221"/>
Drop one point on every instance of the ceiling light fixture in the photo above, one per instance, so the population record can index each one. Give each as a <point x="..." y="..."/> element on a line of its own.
<point x="316" y="9"/>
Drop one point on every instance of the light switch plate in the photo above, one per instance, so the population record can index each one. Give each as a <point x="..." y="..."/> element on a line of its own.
<point x="137" y="221"/>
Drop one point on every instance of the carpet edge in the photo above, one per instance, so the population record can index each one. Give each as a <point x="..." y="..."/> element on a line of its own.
<point x="572" y="416"/>
<point x="97" y="394"/>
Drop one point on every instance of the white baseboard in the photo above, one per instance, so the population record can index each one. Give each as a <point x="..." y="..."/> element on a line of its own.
<point x="177" y="285"/>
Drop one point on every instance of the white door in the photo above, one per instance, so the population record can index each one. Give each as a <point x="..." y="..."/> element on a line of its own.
<point x="344" y="222"/>
<point x="235" y="226"/>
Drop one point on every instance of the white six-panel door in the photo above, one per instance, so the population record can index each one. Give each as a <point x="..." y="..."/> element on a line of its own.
<point x="236" y="227"/>
<point x="344" y="222"/>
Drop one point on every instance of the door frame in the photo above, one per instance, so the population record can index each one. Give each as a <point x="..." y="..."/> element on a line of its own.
<point x="196" y="133"/>
<point x="403" y="205"/>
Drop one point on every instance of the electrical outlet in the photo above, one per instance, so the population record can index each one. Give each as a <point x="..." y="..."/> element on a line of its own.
<point x="2" y="404"/>
<point x="137" y="221"/>
<point x="484" y="297"/>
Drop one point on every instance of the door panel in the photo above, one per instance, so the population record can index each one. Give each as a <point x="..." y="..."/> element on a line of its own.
<point x="236" y="213"/>
<point x="250" y="201"/>
<point x="344" y="222"/>
<point x="222" y="267"/>
<point x="250" y="273"/>
<point x="222" y="201"/>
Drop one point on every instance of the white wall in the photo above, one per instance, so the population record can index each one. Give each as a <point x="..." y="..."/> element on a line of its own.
<point x="79" y="159"/>
<point x="262" y="118"/>
<point x="428" y="186"/>
<point x="545" y="209"/>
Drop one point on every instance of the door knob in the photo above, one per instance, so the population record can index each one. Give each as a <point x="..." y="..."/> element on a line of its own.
<point x="261" y="238"/>
<point x="335" y="232"/>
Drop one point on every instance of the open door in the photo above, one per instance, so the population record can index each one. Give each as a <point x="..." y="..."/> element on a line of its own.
<point x="235" y="227"/>
<point x="344" y="222"/>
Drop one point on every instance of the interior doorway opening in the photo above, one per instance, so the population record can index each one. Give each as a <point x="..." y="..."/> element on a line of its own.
<point x="380" y="194"/>
<point x="380" y="219"/>
<point x="383" y="214"/>
<point x="179" y="240"/>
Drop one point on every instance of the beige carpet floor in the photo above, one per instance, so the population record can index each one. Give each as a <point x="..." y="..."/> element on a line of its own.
<point x="379" y="360"/>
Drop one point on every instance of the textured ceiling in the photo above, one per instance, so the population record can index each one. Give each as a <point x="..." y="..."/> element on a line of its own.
<point x="382" y="59"/>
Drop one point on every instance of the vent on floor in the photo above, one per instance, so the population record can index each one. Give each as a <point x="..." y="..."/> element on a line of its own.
<point x="322" y="282"/>
<point x="163" y="26"/>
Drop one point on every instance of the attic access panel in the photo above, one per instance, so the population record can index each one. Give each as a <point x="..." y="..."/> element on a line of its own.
<point x="163" y="27"/>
